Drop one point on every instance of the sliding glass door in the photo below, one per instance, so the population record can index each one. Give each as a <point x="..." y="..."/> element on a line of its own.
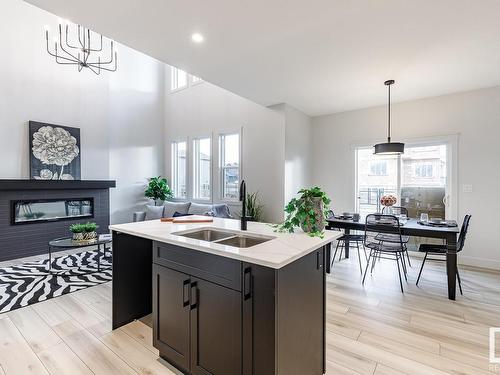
<point x="420" y="179"/>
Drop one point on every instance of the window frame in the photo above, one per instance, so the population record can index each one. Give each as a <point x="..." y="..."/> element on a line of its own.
<point x="174" y="167"/>
<point x="195" y="169"/>
<point x="451" y="140"/>
<point x="178" y="88"/>
<point x="221" y="169"/>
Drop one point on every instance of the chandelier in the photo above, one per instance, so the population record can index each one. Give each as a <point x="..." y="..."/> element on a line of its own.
<point x="81" y="51"/>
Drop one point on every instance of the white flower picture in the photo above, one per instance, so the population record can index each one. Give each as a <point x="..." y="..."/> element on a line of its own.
<point x="55" y="152"/>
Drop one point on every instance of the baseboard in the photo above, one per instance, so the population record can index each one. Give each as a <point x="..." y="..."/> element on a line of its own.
<point x="468" y="261"/>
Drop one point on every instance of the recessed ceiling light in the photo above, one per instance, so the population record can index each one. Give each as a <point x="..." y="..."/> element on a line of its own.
<point x="197" y="38"/>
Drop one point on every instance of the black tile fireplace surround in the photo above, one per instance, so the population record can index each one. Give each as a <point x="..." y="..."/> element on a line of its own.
<point x="19" y="241"/>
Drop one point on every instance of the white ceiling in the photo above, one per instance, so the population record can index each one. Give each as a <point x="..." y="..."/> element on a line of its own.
<point x="320" y="56"/>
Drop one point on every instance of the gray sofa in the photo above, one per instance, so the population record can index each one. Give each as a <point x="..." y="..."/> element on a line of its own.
<point x="170" y="209"/>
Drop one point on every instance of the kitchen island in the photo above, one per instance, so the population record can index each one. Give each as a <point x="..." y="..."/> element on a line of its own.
<point x="225" y="301"/>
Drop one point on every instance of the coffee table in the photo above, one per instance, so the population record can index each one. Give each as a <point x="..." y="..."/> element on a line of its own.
<point x="69" y="243"/>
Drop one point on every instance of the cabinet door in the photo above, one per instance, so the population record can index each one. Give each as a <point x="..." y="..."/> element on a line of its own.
<point x="215" y="329"/>
<point x="301" y="316"/>
<point x="171" y="315"/>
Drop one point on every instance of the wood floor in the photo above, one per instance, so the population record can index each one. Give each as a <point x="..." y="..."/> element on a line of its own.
<point x="371" y="330"/>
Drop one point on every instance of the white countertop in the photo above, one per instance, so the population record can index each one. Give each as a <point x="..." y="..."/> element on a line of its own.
<point x="275" y="253"/>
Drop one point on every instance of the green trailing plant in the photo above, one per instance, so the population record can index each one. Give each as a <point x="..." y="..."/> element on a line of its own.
<point x="254" y="207"/>
<point x="83" y="228"/>
<point x="158" y="189"/>
<point x="303" y="212"/>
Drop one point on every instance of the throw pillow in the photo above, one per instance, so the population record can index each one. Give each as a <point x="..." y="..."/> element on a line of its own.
<point x="221" y="210"/>
<point x="200" y="209"/>
<point x="177" y="214"/>
<point x="173" y="207"/>
<point x="154" y="212"/>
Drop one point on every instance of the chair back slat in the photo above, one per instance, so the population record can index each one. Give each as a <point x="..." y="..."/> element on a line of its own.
<point x="379" y="223"/>
<point x="463" y="233"/>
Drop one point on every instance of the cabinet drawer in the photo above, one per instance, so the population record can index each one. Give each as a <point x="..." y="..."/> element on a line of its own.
<point x="214" y="268"/>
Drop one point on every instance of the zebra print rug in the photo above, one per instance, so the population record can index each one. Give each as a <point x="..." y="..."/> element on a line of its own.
<point x="28" y="283"/>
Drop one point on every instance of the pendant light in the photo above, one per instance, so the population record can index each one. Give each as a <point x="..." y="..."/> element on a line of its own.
<point x="389" y="148"/>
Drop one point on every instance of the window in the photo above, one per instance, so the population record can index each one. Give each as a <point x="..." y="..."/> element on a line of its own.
<point x="179" y="155"/>
<point x="202" y="168"/>
<point x="378" y="168"/>
<point x="230" y="165"/>
<point x="178" y="79"/>
<point x="423" y="170"/>
<point x="418" y="178"/>
<point x="195" y="80"/>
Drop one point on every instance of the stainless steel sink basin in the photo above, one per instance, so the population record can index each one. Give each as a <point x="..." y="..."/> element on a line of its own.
<point x="209" y="235"/>
<point x="236" y="239"/>
<point x="243" y="241"/>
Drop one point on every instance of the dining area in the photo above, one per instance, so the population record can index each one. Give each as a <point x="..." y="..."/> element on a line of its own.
<point x="385" y="235"/>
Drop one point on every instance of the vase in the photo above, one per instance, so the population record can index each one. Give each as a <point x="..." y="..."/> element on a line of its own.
<point x="78" y="236"/>
<point x="316" y="204"/>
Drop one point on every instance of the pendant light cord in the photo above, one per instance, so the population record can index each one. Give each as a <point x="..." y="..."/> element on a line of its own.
<point x="389" y="117"/>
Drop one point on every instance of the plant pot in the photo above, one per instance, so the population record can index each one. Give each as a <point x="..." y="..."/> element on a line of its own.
<point x="85" y="236"/>
<point x="78" y="236"/>
<point x="316" y="204"/>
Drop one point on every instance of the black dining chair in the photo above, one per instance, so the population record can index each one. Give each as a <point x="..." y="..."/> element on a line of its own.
<point x="397" y="210"/>
<point x="441" y="250"/>
<point x="351" y="238"/>
<point x="392" y="248"/>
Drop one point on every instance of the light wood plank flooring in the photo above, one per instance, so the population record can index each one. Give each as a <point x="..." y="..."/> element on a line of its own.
<point x="370" y="330"/>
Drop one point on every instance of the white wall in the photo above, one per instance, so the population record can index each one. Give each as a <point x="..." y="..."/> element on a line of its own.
<point x="204" y="108"/>
<point x="474" y="116"/>
<point x="298" y="149"/>
<point x="120" y="114"/>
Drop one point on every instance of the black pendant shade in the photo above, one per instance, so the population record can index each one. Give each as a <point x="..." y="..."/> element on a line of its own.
<point x="389" y="148"/>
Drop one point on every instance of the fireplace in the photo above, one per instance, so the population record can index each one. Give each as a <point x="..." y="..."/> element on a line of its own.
<point x="33" y="211"/>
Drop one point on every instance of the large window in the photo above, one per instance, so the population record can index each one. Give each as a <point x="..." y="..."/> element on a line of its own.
<point x="202" y="168"/>
<point x="418" y="178"/>
<point x="230" y="165"/>
<point x="179" y="175"/>
<point x="178" y="79"/>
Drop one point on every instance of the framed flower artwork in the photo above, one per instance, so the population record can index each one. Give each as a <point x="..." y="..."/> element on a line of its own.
<point x="54" y="152"/>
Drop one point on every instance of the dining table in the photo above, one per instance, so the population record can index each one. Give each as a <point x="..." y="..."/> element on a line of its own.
<point x="411" y="227"/>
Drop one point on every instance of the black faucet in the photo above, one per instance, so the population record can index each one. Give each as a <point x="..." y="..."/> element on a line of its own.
<point x="243" y="199"/>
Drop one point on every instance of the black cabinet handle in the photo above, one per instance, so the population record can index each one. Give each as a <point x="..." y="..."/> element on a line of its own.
<point x="247" y="283"/>
<point x="186" y="292"/>
<point x="194" y="295"/>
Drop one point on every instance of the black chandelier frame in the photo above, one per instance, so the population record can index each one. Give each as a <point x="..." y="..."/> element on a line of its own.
<point x="80" y="54"/>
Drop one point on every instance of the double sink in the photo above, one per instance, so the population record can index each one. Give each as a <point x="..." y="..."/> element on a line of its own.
<point x="235" y="239"/>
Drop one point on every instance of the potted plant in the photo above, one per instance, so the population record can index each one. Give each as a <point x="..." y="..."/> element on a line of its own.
<point x="158" y="189"/>
<point x="84" y="232"/>
<point x="254" y="207"/>
<point x="308" y="211"/>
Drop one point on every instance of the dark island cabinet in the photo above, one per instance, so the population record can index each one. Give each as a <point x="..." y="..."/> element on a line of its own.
<point x="215" y="329"/>
<point x="171" y="310"/>
<point x="218" y="316"/>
